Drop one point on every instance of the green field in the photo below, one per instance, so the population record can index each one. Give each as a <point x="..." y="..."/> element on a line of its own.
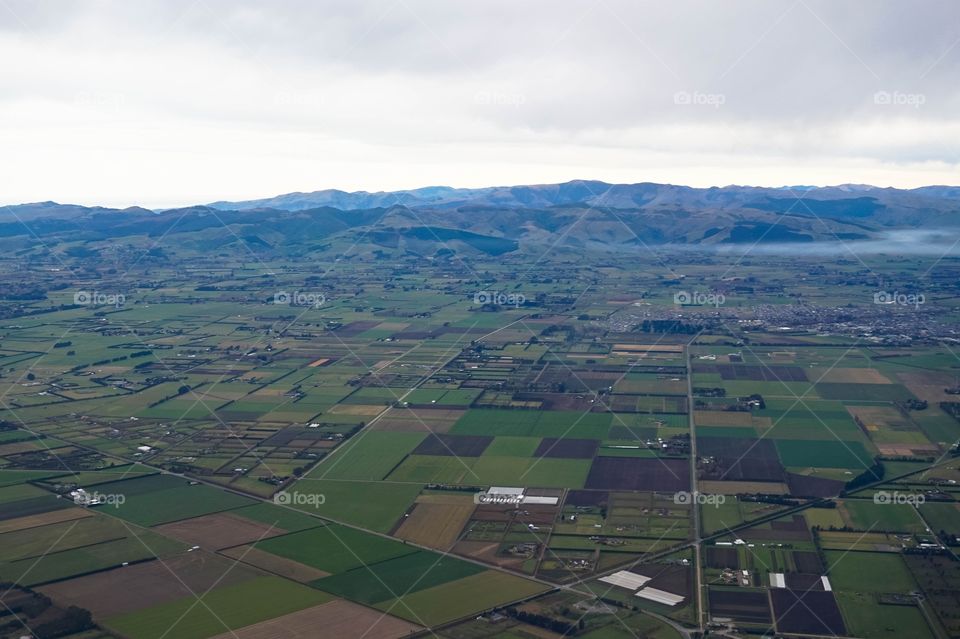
<point x="824" y="454"/>
<point x="334" y="549"/>
<point x="869" y="572"/>
<point x="507" y="446"/>
<point x="218" y="611"/>
<point x="371" y="455"/>
<point x="520" y="423"/>
<point x="376" y="582"/>
<point x="457" y="599"/>
<point x="866" y="618"/>
<point x="159" y="499"/>
<point x="866" y="515"/>
<point x="204" y="395"/>
<point x="372" y="505"/>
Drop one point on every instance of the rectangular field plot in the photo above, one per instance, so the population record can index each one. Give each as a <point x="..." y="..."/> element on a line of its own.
<point x="224" y="609"/>
<point x="454" y="445"/>
<point x="939" y="578"/>
<point x="942" y="516"/>
<point x="337" y="618"/>
<point x="539" y="472"/>
<point x="277" y="517"/>
<point x="372" y="505"/>
<point x="25" y="506"/>
<point x="425" y="469"/>
<point x="437" y="519"/>
<point x="506" y="446"/>
<point x="869" y="572"/>
<point x="866" y="617"/>
<point x="130" y="588"/>
<point x="374" y="583"/>
<point x="746" y="606"/>
<point x="219" y="530"/>
<point x="43" y="519"/>
<point x="824" y="454"/>
<point x="335" y="549"/>
<point x="460" y="598"/>
<point x="526" y="423"/>
<point x="622" y="473"/>
<point x="810" y="613"/>
<point x="158" y="499"/>
<point x="864" y="514"/>
<point x="370" y="455"/>
<point x="58" y="551"/>
<point x="764" y="373"/>
<point x="864" y="392"/>
<point x="419" y="420"/>
<point x="741" y="459"/>
<point x="567" y="448"/>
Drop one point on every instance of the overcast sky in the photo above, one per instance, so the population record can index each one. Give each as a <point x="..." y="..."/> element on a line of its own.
<point x="167" y="103"/>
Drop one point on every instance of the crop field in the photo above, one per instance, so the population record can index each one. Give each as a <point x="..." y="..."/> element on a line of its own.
<point x="218" y="531"/>
<point x="160" y="499"/>
<point x="861" y="514"/>
<point x="334" y="548"/>
<point x="870" y="572"/>
<point x="373" y="583"/>
<point x="442" y="603"/>
<point x="131" y="588"/>
<point x="436" y="519"/>
<point x="403" y="450"/>
<point x="339" y="618"/>
<point x="222" y="609"/>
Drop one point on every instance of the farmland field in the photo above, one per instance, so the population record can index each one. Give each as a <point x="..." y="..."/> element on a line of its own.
<point x="403" y="459"/>
<point x="222" y="609"/>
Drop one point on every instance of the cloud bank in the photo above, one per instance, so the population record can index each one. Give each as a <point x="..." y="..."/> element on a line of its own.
<point x="174" y="102"/>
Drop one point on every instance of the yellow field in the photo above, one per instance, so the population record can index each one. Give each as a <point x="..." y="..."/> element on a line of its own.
<point x="437" y="520"/>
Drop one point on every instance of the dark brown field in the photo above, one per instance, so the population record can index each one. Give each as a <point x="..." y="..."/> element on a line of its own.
<point x="453" y="445"/>
<point x="749" y="606"/>
<point x="807" y="613"/>
<point x="623" y="473"/>
<point x="567" y="448"/>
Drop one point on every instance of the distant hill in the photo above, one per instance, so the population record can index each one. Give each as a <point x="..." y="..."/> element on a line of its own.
<point x="580" y="214"/>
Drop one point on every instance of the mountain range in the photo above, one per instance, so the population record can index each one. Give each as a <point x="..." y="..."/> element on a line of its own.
<point x="578" y="214"/>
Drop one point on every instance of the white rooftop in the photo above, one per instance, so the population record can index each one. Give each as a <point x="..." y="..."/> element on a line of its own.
<point x="534" y="500"/>
<point x="504" y="490"/>
<point x="660" y="596"/>
<point x="625" y="579"/>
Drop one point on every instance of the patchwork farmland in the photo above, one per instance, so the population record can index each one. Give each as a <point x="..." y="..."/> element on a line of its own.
<point x="402" y="461"/>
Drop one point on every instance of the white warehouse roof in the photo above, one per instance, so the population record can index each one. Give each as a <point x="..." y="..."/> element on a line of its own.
<point x="626" y="579"/>
<point x="660" y="596"/>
